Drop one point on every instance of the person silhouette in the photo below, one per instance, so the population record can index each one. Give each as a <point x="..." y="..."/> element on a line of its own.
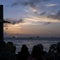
<point x="37" y="53"/>
<point x="10" y="48"/>
<point x="24" y="54"/>
<point x="57" y="57"/>
<point x="51" y="52"/>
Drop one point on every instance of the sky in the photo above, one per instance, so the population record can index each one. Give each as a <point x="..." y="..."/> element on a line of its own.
<point x="32" y="17"/>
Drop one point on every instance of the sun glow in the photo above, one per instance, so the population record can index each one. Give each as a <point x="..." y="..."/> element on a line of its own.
<point x="29" y="26"/>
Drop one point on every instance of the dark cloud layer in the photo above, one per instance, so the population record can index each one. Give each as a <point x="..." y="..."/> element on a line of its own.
<point x="57" y="16"/>
<point x="31" y="3"/>
<point x="6" y="21"/>
<point x="13" y="21"/>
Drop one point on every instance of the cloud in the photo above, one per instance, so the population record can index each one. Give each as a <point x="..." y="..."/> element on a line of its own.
<point x="51" y="5"/>
<point x="15" y="4"/>
<point x="20" y="21"/>
<point x="35" y="20"/>
<point x="31" y="3"/>
<point x="46" y="23"/>
<point x="41" y="19"/>
<point x="56" y="16"/>
<point x="42" y="13"/>
<point x="13" y="21"/>
<point x="30" y="21"/>
<point x="33" y="9"/>
<point x="4" y="21"/>
<point x="22" y="25"/>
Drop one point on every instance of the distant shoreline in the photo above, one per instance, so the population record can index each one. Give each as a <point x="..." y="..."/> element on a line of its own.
<point x="33" y="38"/>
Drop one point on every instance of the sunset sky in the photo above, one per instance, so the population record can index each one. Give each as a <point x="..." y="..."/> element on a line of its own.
<point x="36" y="17"/>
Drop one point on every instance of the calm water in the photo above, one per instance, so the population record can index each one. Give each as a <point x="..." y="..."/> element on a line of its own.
<point x="31" y="43"/>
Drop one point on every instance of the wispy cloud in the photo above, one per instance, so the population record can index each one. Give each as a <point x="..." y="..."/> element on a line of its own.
<point x="32" y="5"/>
<point x="41" y="19"/>
<point x="51" y="5"/>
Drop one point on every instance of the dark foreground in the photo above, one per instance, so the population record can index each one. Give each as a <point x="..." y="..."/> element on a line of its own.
<point x="8" y="52"/>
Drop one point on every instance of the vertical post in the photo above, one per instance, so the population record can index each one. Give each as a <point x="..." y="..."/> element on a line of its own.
<point x="1" y="22"/>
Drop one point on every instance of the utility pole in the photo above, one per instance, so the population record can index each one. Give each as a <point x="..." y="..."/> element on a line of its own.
<point x="1" y="23"/>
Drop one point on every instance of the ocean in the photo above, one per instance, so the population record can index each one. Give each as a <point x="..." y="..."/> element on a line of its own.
<point x="30" y="43"/>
